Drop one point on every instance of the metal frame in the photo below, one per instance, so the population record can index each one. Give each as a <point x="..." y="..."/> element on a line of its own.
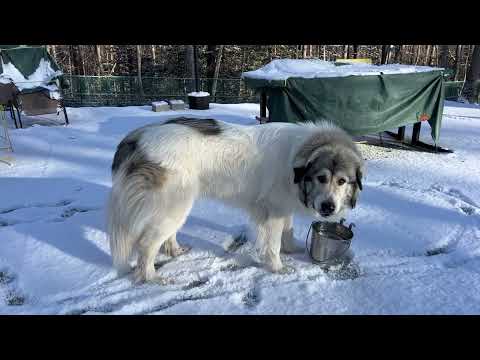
<point x="6" y="135"/>
<point x="415" y="142"/>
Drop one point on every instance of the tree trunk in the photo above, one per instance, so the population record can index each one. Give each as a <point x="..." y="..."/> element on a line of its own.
<point x="53" y="52"/>
<point x="390" y="54"/>
<point x="427" y="55"/>
<point x="153" y="55"/>
<point x="139" y="69"/>
<point x="398" y="54"/>
<point x="76" y="61"/>
<point x="385" y="51"/>
<point x="189" y="62"/>
<point x="211" y="52"/>
<point x="195" y="67"/>
<point x="417" y="54"/>
<point x="434" y="57"/>
<point x="458" y="59"/>
<point x="99" y="59"/>
<point x="217" y="70"/>
<point x="345" y="52"/>
<point x="82" y="58"/>
<point x="472" y="81"/>
<point x="443" y="56"/>
<point x="355" y="51"/>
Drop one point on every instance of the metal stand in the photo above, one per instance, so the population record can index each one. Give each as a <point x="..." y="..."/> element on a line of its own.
<point x="64" y="112"/>
<point x="415" y="142"/>
<point x="5" y="137"/>
<point x="263" y="108"/>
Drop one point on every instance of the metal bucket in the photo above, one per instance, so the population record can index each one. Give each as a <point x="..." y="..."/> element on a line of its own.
<point x="330" y="242"/>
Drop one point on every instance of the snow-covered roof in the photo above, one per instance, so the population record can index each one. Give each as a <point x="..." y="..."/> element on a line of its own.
<point x="283" y="69"/>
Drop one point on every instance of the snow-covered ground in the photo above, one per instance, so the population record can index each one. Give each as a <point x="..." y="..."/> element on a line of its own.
<point x="416" y="244"/>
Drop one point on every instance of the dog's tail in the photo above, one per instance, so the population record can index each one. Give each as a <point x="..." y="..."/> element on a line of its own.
<point x="121" y="241"/>
<point x="130" y="209"/>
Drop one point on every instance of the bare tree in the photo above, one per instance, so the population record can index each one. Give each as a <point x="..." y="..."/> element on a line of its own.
<point x="427" y="55"/>
<point x="189" y="66"/>
<point x="217" y="70"/>
<point x="385" y="51"/>
<point x="355" y="51"/>
<point x="458" y="59"/>
<point x="99" y="58"/>
<point x="398" y="54"/>
<point x="472" y="81"/>
<point x="443" y="56"/>
<point x="139" y="69"/>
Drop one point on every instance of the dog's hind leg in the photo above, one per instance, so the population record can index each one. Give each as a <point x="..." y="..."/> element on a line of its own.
<point x="172" y="248"/>
<point x="148" y="245"/>
<point x="163" y="227"/>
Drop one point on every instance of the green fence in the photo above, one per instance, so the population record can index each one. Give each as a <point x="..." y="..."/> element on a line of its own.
<point x="453" y="89"/>
<point x="125" y="90"/>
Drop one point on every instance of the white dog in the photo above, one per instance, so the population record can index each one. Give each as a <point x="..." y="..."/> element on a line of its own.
<point x="272" y="171"/>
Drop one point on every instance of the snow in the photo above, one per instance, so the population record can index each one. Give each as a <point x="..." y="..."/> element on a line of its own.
<point x="199" y="94"/>
<point x="42" y="75"/>
<point x="282" y="69"/>
<point x="159" y="103"/>
<point x="177" y="102"/>
<point x="416" y="243"/>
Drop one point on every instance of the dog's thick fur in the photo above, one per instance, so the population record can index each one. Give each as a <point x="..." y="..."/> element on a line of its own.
<point x="272" y="171"/>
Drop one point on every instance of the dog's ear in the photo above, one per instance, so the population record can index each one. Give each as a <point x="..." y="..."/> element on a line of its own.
<point x="299" y="174"/>
<point x="359" y="176"/>
<point x="353" y="199"/>
<point x="356" y="188"/>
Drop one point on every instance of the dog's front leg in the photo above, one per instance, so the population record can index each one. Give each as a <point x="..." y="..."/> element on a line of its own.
<point x="269" y="240"/>
<point x="288" y="240"/>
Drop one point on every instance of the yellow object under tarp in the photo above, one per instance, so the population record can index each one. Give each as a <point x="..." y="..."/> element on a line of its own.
<point x="354" y="61"/>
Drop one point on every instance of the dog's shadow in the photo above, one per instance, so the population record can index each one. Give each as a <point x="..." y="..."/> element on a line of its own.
<point x="218" y="249"/>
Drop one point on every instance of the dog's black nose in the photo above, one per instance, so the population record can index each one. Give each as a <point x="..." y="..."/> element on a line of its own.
<point x="327" y="207"/>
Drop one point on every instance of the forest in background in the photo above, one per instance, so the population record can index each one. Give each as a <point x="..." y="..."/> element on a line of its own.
<point x="229" y="61"/>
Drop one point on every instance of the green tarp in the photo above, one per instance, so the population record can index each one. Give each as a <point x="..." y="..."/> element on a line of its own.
<point x="359" y="104"/>
<point x="25" y="59"/>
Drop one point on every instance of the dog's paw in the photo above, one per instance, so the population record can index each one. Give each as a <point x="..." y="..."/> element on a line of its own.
<point x="286" y="270"/>
<point x="159" y="280"/>
<point x="180" y="250"/>
<point x="139" y="276"/>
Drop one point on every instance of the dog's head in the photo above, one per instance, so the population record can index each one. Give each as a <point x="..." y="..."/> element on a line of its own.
<point x="331" y="178"/>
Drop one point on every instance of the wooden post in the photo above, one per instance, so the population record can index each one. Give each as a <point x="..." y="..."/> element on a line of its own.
<point x="416" y="132"/>
<point x="401" y="133"/>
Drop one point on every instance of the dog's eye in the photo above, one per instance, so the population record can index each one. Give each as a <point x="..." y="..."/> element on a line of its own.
<point x="341" y="181"/>
<point x="322" y="179"/>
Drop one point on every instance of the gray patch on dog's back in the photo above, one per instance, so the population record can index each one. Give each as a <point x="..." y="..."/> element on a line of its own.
<point x="152" y="174"/>
<point x="203" y="126"/>
<point x="124" y="150"/>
